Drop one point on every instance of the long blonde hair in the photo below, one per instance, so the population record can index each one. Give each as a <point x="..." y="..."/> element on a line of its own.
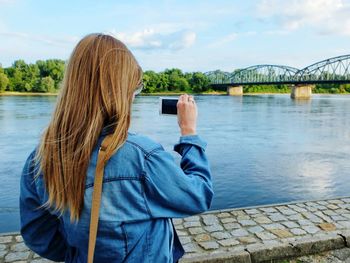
<point x="97" y="90"/>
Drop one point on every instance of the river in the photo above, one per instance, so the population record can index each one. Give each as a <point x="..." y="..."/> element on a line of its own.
<point x="263" y="149"/>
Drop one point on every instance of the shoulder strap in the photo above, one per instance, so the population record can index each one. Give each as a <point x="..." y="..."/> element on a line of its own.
<point x="96" y="197"/>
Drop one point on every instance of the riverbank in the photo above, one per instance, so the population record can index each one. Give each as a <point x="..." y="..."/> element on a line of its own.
<point x="15" y="93"/>
<point x="275" y="233"/>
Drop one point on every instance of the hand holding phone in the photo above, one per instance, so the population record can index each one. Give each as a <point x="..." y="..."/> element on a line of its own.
<point x="187" y="114"/>
<point x="186" y="110"/>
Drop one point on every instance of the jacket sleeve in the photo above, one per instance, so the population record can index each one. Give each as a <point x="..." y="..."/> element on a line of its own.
<point x="39" y="228"/>
<point x="171" y="191"/>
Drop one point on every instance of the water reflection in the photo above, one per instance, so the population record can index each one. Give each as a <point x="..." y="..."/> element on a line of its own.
<point x="318" y="174"/>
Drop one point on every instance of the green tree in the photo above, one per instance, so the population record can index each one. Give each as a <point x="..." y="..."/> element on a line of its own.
<point x="199" y="82"/>
<point x="53" y="68"/>
<point x="177" y="80"/>
<point x="188" y="76"/>
<point x="174" y="71"/>
<point x="31" y="77"/>
<point x="150" y="80"/>
<point x="22" y="77"/>
<point x="163" y="83"/>
<point x="345" y="88"/>
<point x="182" y="85"/>
<point x="47" y="84"/>
<point x="4" y="81"/>
<point x="15" y="75"/>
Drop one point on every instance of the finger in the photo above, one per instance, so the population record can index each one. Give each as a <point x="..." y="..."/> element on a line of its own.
<point x="181" y="99"/>
<point x="186" y="98"/>
<point x="191" y="99"/>
<point x="178" y="101"/>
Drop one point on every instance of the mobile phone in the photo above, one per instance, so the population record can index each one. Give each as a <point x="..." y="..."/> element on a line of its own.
<point x="168" y="106"/>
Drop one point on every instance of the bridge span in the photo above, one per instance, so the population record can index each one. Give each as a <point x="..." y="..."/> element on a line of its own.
<point x="328" y="71"/>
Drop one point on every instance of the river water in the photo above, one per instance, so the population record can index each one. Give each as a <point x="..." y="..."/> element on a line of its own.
<point x="262" y="149"/>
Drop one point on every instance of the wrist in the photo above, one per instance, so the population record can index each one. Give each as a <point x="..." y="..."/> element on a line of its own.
<point x="188" y="131"/>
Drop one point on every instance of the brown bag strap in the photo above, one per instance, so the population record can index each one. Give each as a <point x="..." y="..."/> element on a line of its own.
<point x="96" y="197"/>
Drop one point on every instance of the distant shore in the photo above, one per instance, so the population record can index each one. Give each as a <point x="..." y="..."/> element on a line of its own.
<point x="16" y="93"/>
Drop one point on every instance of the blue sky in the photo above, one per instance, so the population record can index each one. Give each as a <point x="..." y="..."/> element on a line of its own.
<point x="191" y="35"/>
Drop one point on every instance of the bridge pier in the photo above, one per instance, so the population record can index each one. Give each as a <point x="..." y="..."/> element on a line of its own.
<point x="301" y="91"/>
<point x="235" y="90"/>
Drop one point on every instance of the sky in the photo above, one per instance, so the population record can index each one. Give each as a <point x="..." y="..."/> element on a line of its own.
<point x="190" y="35"/>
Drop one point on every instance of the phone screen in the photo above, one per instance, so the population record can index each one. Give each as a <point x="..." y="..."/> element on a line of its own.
<point x="168" y="106"/>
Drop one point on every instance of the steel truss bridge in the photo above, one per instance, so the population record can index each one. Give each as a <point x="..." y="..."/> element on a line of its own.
<point x="333" y="70"/>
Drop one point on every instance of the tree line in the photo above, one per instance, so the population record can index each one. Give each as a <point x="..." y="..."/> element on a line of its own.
<point x="42" y="76"/>
<point x="47" y="75"/>
<point x="319" y="88"/>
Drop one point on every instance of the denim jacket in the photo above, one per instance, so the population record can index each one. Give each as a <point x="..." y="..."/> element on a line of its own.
<point x="143" y="189"/>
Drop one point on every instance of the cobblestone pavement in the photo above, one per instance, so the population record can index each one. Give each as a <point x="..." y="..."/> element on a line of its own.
<point x="253" y="234"/>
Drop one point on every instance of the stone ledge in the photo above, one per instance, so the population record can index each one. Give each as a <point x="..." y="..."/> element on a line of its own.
<point x="250" y="234"/>
<point x="239" y="256"/>
<point x="317" y="244"/>
<point x="260" y="253"/>
<point x="346" y="236"/>
<point x="274" y="205"/>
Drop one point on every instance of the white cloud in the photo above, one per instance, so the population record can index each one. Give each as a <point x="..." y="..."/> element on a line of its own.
<point x="224" y="40"/>
<point x="31" y="47"/>
<point x="276" y="32"/>
<point x="230" y="38"/>
<point x="56" y="41"/>
<point x="250" y="33"/>
<point x="326" y="16"/>
<point x="151" y="38"/>
<point x="7" y="2"/>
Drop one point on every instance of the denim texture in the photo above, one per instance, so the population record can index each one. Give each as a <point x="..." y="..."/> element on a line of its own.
<point x="143" y="189"/>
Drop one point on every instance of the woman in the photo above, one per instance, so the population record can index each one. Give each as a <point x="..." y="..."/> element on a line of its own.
<point x="143" y="188"/>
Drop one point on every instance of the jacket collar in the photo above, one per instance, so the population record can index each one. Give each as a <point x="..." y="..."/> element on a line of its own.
<point x="109" y="129"/>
